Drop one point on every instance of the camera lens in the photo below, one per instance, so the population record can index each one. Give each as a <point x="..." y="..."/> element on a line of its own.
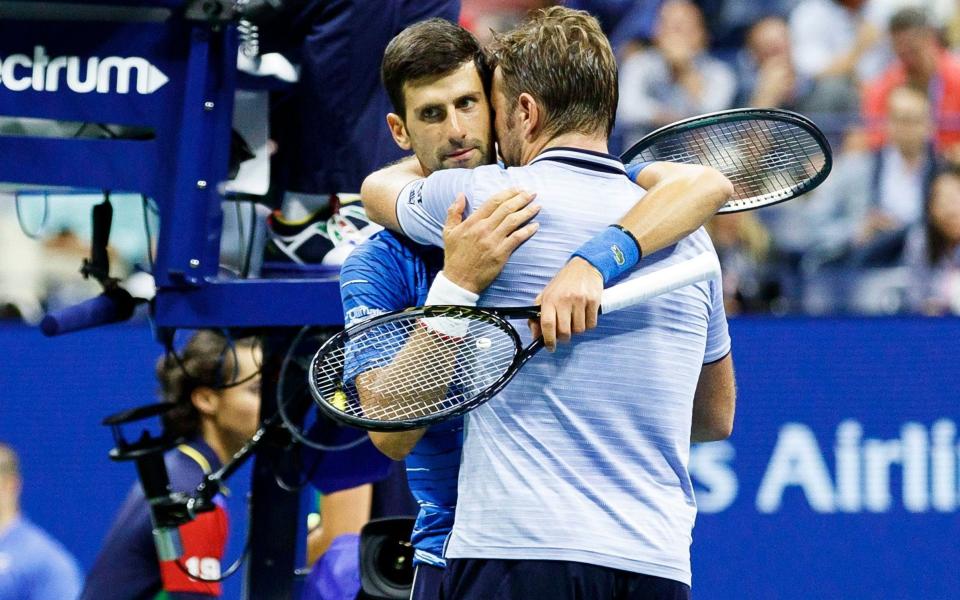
<point x="394" y="563"/>
<point x="386" y="558"/>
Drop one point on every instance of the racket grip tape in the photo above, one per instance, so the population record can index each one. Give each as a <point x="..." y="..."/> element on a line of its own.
<point x="694" y="270"/>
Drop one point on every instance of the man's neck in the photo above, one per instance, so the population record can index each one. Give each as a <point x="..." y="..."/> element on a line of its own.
<point x="424" y="169"/>
<point x="595" y="143"/>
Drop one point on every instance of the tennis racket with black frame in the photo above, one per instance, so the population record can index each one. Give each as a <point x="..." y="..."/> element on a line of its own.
<point x="770" y="155"/>
<point x="411" y="368"/>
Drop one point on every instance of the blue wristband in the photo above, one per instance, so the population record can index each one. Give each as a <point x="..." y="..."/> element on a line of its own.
<point x="634" y="169"/>
<point x="613" y="252"/>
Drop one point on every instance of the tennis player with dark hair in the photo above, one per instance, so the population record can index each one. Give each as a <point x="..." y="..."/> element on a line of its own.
<point x="389" y="272"/>
<point x="679" y="198"/>
<point x="573" y="481"/>
<point x="216" y="398"/>
<point x="436" y="76"/>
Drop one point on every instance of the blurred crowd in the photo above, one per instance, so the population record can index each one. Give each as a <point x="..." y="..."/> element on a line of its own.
<point x="880" y="77"/>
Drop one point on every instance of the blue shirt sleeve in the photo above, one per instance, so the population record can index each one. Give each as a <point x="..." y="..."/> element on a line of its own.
<point x="375" y="279"/>
<point x="372" y="282"/>
<point x="422" y="205"/>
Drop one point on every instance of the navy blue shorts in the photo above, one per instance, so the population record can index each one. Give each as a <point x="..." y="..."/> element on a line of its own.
<point x="491" y="579"/>
<point x="426" y="582"/>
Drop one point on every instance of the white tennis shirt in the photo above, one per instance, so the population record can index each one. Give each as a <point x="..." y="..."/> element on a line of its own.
<point x="583" y="457"/>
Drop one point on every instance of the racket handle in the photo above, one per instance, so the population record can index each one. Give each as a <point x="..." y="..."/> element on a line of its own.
<point x="700" y="268"/>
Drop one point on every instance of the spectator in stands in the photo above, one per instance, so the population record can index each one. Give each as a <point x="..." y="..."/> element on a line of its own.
<point x="883" y="195"/>
<point x="628" y="23"/>
<point x="730" y="22"/>
<point x="743" y="246"/>
<point x="836" y="47"/>
<point x="933" y="249"/>
<point x="675" y="78"/>
<point x="923" y="63"/>
<point x="951" y="30"/>
<point x="484" y="17"/>
<point x="765" y="72"/>
<point x="33" y="565"/>
<point x="828" y="221"/>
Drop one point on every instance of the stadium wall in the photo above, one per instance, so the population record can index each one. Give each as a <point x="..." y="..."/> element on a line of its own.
<point x="841" y="478"/>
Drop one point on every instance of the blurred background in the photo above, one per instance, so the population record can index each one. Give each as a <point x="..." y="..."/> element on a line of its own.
<point x="842" y="477"/>
<point x="880" y="77"/>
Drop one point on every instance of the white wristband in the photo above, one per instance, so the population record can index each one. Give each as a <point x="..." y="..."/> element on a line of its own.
<point x="444" y="291"/>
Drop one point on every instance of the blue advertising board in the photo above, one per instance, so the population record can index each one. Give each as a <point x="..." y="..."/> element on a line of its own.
<point x="840" y="479"/>
<point x="140" y="99"/>
<point x="159" y="91"/>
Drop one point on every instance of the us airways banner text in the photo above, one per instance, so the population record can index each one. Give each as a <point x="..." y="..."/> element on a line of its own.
<point x="841" y="477"/>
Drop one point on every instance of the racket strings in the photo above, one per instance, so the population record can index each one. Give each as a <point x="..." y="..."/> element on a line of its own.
<point x="405" y="368"/>
<point x="764" y="159"/>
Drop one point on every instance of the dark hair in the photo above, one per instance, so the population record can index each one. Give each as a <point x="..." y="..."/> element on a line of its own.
<point x="937" y="245"/>
<point x="562" y="58"/>
<point x="208" y="360"/>
<point x="909" y="18"/>
<point x="426" y="50"/>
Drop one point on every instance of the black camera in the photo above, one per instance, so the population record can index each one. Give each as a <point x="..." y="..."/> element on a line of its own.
<point x="386" y="558"/>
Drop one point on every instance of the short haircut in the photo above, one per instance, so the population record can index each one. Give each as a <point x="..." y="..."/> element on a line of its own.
<point x="208" y="360"/>
<point x="909" y="18"/>
<point x="9" y="463"/>
<point x="562" y="58"/>
<point x="428" y="50"/>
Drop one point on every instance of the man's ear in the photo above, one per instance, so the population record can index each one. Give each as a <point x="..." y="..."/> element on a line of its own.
<point x="205" y="400"/>
<point x="398" y="130"/>
<point x="529" y="116"/>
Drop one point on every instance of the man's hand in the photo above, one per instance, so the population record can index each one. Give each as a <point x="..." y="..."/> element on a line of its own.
<point x="569" y="304"/>
<point x="476" y="248"/>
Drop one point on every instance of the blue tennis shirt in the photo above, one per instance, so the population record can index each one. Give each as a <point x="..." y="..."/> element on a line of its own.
<point x="583" y="456"/>
<point x="386" y="273"/>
